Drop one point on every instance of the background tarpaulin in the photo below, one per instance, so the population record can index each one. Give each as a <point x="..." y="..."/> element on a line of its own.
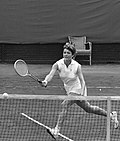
<point x="51" y="21"/>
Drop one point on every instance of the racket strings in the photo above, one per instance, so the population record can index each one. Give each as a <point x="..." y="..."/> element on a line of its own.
<point x="21" y="68"/>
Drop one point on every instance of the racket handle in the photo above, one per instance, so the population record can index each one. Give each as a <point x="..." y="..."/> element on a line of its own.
<point x="35" y="78"/>
<point x="39" y="81"/>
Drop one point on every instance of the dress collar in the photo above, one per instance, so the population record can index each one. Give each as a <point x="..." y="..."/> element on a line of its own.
<point x="72" y="62"/>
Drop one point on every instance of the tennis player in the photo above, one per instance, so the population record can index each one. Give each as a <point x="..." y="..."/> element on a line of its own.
<point x="71" y="74"/>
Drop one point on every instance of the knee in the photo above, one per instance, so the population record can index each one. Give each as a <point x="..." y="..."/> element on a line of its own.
<point x="88" y="108"/>
<point x="85" y="105"/>
<point x="63" y="113"/>
<point x="91" y="109"/>
<point x="64" y="109"/>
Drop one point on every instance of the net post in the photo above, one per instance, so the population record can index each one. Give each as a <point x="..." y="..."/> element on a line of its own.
<point x="108" y="118"/>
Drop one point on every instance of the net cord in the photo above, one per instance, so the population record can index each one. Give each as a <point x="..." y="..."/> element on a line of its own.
<point x="59" y="97"/>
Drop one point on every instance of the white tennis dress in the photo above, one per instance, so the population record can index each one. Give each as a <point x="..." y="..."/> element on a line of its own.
<point x="69" y="76"/>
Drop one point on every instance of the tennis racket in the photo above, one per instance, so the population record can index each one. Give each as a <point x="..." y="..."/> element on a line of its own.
<point x="21" y="69"/>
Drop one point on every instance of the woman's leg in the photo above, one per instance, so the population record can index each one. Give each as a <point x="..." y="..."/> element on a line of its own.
<point x="63" y="115"/>
<point x="84" y="104"/>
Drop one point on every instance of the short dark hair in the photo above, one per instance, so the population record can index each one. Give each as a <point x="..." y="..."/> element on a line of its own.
<point x="70" y="47"/>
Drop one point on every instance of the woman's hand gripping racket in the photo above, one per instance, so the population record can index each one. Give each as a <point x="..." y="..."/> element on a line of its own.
<point x="21" y="68"/>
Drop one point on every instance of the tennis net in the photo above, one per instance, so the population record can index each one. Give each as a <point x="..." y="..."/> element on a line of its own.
<point x="44" y="109"/>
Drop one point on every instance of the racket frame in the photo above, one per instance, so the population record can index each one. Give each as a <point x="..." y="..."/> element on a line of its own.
<point x="27" y="73"/>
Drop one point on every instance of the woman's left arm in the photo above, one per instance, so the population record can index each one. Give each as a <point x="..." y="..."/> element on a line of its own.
<point x="50" y="75"/>
<point x="80" y="75"/>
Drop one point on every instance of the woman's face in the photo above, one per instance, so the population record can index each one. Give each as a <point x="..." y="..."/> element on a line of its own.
<point x="67" y="54"/>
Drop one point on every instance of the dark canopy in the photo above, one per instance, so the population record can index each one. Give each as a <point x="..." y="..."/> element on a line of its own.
<point x="46" y="21"/>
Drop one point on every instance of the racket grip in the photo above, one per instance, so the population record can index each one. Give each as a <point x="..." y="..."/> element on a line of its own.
<point x="39" y="81"/>
<point x="44" y="83"/>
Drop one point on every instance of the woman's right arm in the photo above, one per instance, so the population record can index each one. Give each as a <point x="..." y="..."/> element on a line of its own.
<point x="49" y="77"/>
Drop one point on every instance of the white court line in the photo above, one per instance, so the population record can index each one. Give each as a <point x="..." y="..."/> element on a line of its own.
<point x="103" y="87"/>
<point x="41" y="124"/>
<point x="89" y="87"/>
<point x="92" y="87"/>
